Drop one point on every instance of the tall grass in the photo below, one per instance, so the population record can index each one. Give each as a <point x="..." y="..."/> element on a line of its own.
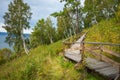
<point x="108" y="32"/>
<point x="43" y="63"/>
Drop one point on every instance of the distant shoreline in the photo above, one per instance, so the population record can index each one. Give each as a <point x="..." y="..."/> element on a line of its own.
<point x="6" y="33"/>
<point x="3" y="44"/>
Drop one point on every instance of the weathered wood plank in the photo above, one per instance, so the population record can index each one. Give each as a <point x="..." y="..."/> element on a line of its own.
<point x="74" y="52"/>
<point x="109" y="71"/>
<point x="99" y="65"/>
<point x="110" y="52"/>
<point x="76" y="45"/>
<point x="102" y="68"/>
<point x="104" y="58"/>
<point x="95" y="64"/>
<point x="73" y="56"/>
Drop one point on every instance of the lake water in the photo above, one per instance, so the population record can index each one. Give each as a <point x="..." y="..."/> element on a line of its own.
<point x="3" y="35"/>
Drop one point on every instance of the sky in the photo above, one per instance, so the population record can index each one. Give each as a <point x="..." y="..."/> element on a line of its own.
<point x="39" y="8"/>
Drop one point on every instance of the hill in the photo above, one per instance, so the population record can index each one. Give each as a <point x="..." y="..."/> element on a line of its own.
<point x="106" y="32"/>
<point x="44" y="62"/>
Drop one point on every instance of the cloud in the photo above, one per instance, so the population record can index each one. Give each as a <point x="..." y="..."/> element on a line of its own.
<point x="2" y="29"/>
<point x="43" y="8"/>
<point x="82" y="3"/>
<point x="27" y="31"/>
<point x="39" y="8"/>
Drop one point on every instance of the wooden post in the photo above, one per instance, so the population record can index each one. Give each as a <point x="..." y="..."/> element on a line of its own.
<point x="101" y="51"/>
<point x="82" y="51"/>
<point x="82" y="48"/>
<point x="119" y="70"/>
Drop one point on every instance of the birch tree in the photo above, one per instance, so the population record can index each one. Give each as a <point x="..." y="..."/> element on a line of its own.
<point x="16" y="20"/>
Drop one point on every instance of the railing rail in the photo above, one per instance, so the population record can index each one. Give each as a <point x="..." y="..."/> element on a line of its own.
<point x="102" y="43"/>
<point x="104" y="58"/>
<point x="94" y="43"/>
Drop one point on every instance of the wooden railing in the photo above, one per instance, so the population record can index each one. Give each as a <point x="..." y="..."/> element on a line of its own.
<point x="101" y="48"/>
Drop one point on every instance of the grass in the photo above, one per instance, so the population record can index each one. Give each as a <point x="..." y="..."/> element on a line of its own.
<point x="105" y="31"/>
<point x="43" y="63"/>
<point x="108" y="32"/>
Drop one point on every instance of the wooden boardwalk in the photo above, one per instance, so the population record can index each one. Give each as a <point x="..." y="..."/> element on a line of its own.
<point x="74" y="51"/>
<point x="102" y="67"/>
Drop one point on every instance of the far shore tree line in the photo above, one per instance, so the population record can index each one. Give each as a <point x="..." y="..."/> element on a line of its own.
<point x="70" y="21"/>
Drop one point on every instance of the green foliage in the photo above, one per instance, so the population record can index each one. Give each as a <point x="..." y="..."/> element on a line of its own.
<point x="69" y="21"/>
<point x="64" y="28"/>
<point x="117" y="15"/>
<point x="43" y="33"/>
<point x="5" y="54"/>
<point x="42" y="63"/>
<point x="16" y="19"/>
<point x="98" y="10"/>
<point x="37" y="36"/>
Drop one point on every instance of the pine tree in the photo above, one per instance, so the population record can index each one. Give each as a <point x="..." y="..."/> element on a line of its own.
<point x="16" y="20"/>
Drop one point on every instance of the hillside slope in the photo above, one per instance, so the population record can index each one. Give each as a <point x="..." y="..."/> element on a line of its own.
<point x="106" y="32"/>
<point x="44" y="62"/>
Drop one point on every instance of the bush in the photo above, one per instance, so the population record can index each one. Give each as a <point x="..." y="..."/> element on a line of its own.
<point x="5" y="54"/>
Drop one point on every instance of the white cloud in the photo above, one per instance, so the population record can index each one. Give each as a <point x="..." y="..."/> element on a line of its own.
<point x="27" y="31"/>
<point x="2" y="29"/>
<point x="43" y="8"/>
<point x="39" y="8"/>
<point x="82" y="3"/>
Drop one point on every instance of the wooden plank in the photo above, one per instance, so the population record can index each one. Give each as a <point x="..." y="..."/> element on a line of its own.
<point x="95" y="64"/>
<point x="73" y="55"/>
<point x="99" y="65"/>
<point x="76" y="45"/>
<point x="76" y="58"/>
<point x="109" y="71"/>
<point x="77" y="42"/>
<point x="110" y="52"/>
<point x="102" y="68"/>
<point x="104" y="58"/>
<point x="72" y="51"/>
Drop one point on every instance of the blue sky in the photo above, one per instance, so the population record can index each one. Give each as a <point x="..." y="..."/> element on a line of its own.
<point x="39" y="8"/>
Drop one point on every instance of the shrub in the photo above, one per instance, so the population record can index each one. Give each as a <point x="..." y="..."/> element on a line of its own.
<point x="5" y="55"/>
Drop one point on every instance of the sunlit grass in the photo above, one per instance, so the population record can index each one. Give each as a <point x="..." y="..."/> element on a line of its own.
<point x="43" y="63"/>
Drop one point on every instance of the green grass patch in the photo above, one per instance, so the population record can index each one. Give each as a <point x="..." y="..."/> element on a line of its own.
<point x="43" y="63"/>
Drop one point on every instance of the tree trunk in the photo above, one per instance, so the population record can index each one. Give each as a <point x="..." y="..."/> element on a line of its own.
<point x="21" y="28"/>
<point x="77" y="20"/>
<point x="50" y="37"/>
<point x="24" y="45"/>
